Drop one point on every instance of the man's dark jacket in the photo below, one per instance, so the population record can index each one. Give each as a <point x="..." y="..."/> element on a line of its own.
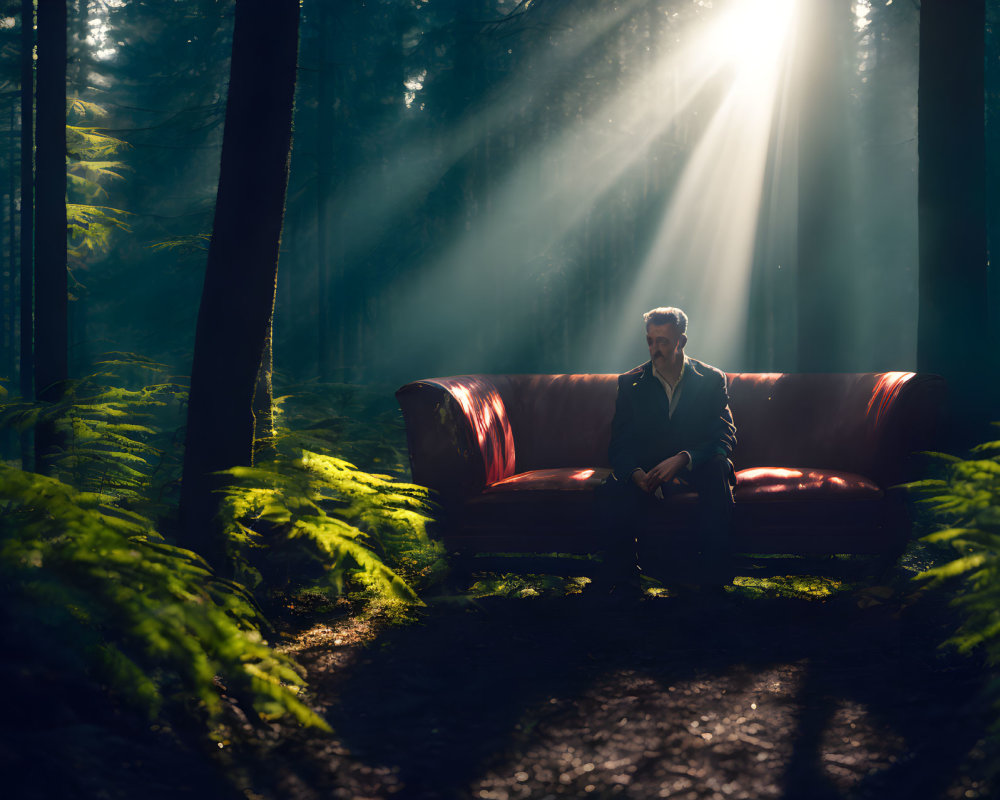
<point x="643" y="433"/>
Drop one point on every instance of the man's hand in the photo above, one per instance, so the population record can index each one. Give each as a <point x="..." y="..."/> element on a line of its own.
<point x="639" y="476"/>
<point x="665" y="471"/>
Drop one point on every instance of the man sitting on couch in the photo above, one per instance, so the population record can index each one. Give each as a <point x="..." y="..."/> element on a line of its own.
<point x="672" y="431"/>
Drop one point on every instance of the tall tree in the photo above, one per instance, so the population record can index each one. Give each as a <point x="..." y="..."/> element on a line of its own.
<point x="324" y="159"/>
<point x="953" y="334"/>
<point x="51" y="302"/>
<point x="234" y="319"/>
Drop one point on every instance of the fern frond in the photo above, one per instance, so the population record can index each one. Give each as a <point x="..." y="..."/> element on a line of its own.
<point x="194" y="243"/>
<point x="100" y="588"/>
<point x="342" y="518"/>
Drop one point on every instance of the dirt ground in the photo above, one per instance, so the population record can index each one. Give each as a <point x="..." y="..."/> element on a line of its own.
<point x="680" y="697"/>
<point x="544" y="697"/>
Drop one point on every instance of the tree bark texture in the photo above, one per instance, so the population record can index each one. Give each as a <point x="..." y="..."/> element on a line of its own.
<point x="265" y="447"/>
<point x="953" y="337"/>
<point x="10" y="268"/>
<point x="237" y="302"/>
<point x="27" y="316"/>
<point x="51" y="302"/>
<point x="324" y="159"/>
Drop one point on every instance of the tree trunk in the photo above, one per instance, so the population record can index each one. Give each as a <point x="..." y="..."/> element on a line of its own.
<point x="324" y="158"/>
<point x="10" y="272"/>
<point x="264" y="446"/>
<point x="238" y="296"/>
<point x="27" y="220"/>
<point x="953" y="335"/>
<point x="51" y="307"/>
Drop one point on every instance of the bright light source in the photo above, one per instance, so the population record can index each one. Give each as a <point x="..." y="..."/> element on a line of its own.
<point x="702" y="255"/>
<point x="751" y="36"/>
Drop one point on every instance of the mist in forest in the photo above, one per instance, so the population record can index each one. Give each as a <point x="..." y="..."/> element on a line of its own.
<point x="549" y="172"/>
<point x="504" y="186"/>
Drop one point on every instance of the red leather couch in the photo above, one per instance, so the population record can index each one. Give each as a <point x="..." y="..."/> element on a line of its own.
<point x="516" y="459"/>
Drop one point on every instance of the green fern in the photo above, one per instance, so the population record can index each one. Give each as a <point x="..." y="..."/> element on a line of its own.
<point x="325" y="511"/>
<point x="187" y="245"/>
<point x="965" y="503"/>
<point x="90" y="228"/>
<point x="353" y="422"/>
<point x="113" y="439"/>
<point x="90" y="165"/>
<point x="88" y="585"/>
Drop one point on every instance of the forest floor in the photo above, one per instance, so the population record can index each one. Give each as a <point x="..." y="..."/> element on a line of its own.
<point x="755" y="695"/>
<point x="760" y="694"/>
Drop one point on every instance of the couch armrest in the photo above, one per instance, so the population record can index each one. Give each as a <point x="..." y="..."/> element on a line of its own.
<point x="458" y="433"/>
<point x="904" y="418"/>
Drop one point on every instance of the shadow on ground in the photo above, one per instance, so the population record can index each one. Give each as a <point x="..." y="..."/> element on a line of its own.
<point x="671" y="697"/>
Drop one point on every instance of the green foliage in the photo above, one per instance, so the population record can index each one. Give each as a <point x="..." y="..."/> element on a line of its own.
<point x="195" y="244"/>
<point x="90" y="228"/>
<point x="322" y="431"/>
<point x="965" y="504"/>
<point x="92" y="587"/>
<point x="807" y="587"/>
<point x="357" y="423"/>
<point x="518" y="585"/>
<point x="318" y="514"/>
<point x="111" y="433"/>
<point x="90" y="165"/>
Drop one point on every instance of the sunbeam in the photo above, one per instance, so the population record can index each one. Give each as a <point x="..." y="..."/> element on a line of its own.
<point x="701" y="255"/>
<point x="364" y="206"/>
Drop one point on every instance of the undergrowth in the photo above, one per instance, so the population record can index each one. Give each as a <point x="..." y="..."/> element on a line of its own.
<point x="89" y="585"/>
<point x="318" y="515"/>
<point x="964" y="503"/>
<point x="86" y="584"/>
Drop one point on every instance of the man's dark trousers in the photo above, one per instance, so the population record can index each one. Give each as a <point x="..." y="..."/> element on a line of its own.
<point x="622" y="507"/>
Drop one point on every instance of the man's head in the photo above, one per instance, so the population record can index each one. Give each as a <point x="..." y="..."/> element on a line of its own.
<point x="665" y="337"/>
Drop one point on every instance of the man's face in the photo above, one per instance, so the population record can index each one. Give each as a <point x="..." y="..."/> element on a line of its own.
<point x="666" y="347"/>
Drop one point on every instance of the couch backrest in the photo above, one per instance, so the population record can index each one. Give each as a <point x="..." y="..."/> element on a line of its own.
<point x="847" y="421"/>
<point x="559" y="420"/>
<point x="859" y="422"/>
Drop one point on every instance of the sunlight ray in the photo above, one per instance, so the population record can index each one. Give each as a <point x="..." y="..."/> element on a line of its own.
<point x="367" y="209"/>
<point x="702" y="255"/>
<point x="707" y="235"/>
<point x="552" y="190"/>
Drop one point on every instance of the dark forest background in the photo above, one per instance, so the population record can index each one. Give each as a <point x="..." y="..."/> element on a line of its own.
<point x="442" y="215"/>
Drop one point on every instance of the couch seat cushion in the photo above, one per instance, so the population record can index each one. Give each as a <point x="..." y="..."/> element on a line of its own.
<point x="771" y="484"/>
<point x="574" y="479"/>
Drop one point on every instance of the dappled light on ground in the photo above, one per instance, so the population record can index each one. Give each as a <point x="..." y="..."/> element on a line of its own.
<point x="787" y="687"/>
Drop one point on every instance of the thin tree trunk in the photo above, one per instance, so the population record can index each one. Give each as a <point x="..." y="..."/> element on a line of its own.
<point x="952" y="336"/>
<point x="324" y="159"/>
<point x="238" y="296"/>
<point x="10" y="293"/>
<point x="263" y="402"/>
<point x="27" y="288"/>
<point x="51" y="306"/>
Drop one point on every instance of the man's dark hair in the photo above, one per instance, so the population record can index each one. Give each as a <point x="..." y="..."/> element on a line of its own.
<point x="665" y="314"/>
